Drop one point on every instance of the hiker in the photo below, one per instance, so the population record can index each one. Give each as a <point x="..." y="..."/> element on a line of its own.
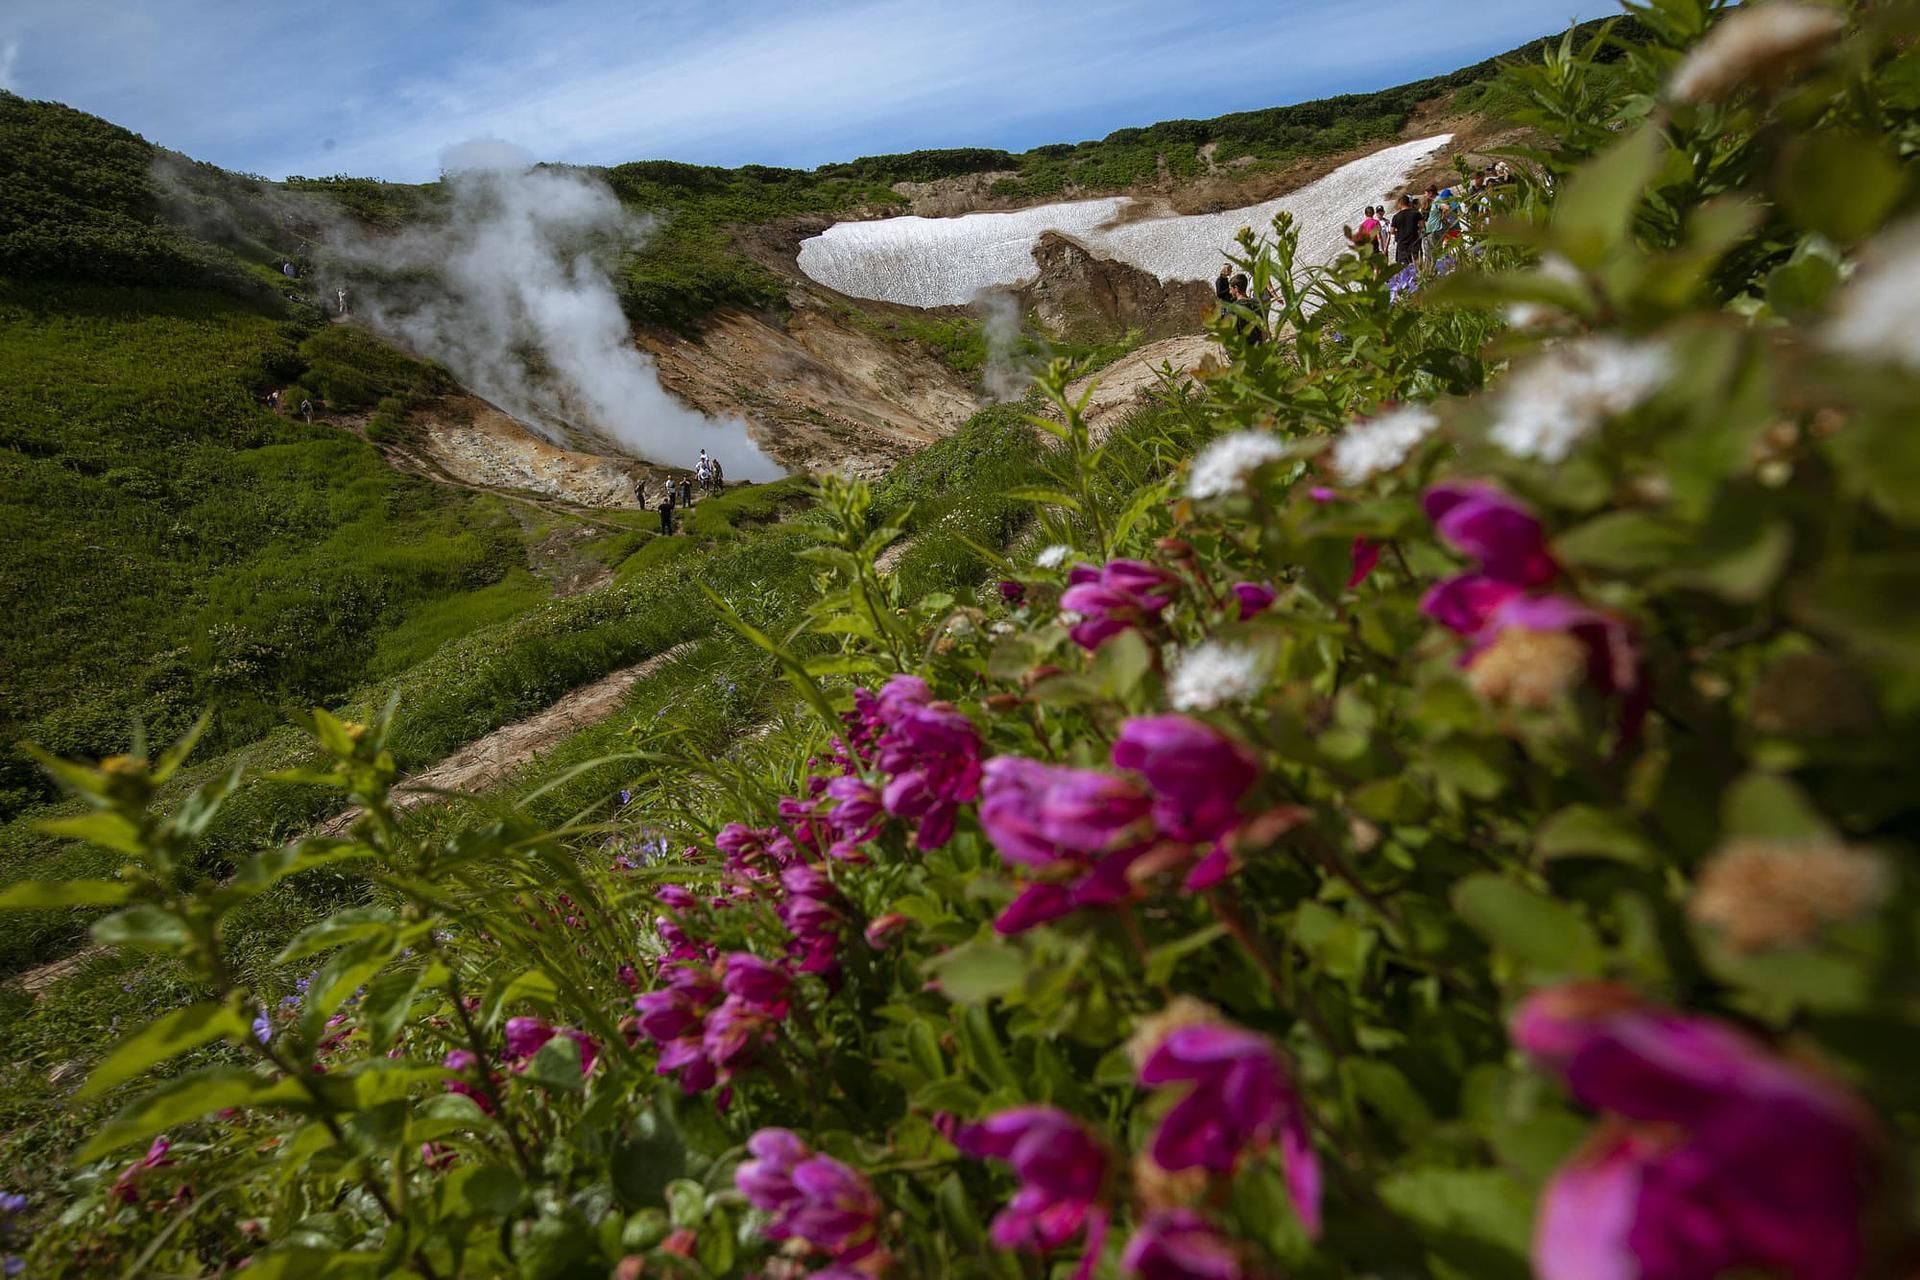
<point x="686" y="492"/>
<point x="719" y="477"/>
<point x="273" y="401"/>
<point x="1406" y="232"/>
<point x="1247" y="302"/>
<point x="341" y="296"/>
<point x="640" y="492"/>
<point x="666" y="511"/>
<point x="703" y="471"/>
<point x="306" y="410"/>
<point x="1222" y="283"/>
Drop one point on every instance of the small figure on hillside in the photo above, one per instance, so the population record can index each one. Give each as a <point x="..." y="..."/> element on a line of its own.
<point x="306" y="410"/>
<point x="286" y="269"/>
<point x="273" y="401"/>
<point x="719" y="476"/>
<point x="702" y="470"/>
<point x="1223" y="283"/>
<point x="686" y="492"/>
<point x="340" y="295"/>
<point x="640" y="492"/>
<point x="666" y="512"/>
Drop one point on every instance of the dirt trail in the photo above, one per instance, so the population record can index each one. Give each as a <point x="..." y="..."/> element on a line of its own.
<point x="1135" y="376"/>
<point x="479" y="766"/>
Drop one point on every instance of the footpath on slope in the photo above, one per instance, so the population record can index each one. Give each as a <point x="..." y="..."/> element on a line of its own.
<point x="475" y="768"/>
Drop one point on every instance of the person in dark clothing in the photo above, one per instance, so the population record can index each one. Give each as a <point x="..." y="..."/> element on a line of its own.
<point x="640" y="492"/>
<point x="1244" y="301"/>
<point x="686" y="492"/>
<point x="1222" y="283"/>
<point x="666" y="513"/>
<point x="1407" y="224"/>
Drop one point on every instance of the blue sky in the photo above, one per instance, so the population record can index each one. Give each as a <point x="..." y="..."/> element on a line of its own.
<point x="382" y="87"/>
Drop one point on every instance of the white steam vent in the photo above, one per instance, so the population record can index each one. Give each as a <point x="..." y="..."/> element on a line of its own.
<point x="509" y="289"/>
<point x="935" y="262"/>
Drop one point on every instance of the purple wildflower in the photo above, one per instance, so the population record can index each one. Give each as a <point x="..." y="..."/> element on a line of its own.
<point x="1063" y="1171"/>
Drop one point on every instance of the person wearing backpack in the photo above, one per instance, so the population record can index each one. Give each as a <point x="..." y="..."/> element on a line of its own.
<point x="666" y="512"/>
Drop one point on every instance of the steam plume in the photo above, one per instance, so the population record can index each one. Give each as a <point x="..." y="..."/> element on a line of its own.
<point x="1007" y="376"/>
<point x="508" y="288"/>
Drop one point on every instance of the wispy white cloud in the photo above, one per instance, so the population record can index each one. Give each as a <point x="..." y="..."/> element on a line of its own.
<point x="9" y="59"/>
<point x="382" y="87"/>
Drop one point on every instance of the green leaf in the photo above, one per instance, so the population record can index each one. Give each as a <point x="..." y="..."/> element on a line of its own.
<point x="31" y="895"/>
<point x="482" y="1191"/>
<point x="264" y="870"/>
<point x="190" y="1097"/>
<point x="1541" y="932"/>
<point x="1164" y="959"/>
<point x="1045" y="496"/>
<point x="1879" y="457"/>
<point x="144" y="927"/>
<point x="1595" y="208"/>
<point x="1586" y="831"/>
<point x="1622" y="541"/>
<point x="557" y="1066"/>
<point x="375" y="1081"/>
<point x="344" y="972"/>
<point x="645" y="1160"/>
<point x="1479" y="1220"/>
<point x="1768" y="807"/>
<point x="923" y="1049"/>
<point x="686" y="1202"/>
<point x="340" y="928"/>
<point x="333" y="735"/>
<point x="979" y="970"/>
<point x="384" y="1010"/>
<point x="1120" y="665"/>
<point x="106" y="828"/>
<point x="1841" y="185"/>
<point x="315" y="1264"/>
<point x="165" y="1037"/>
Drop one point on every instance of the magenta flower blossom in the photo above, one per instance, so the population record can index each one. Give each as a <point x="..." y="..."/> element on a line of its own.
<point x="674" y="1017"/>
<point x="1079" y="828"/>
<point x="1014" y="593"/>
<point x="1719" y="1156"/>
<point x="1179" y="1244"/>
<point x="856" y="817"/>
<point x="1255" y="598"/>
<point x="525" y="1036"/>
<point x="1241" y="1098"/>
<point x="813" y="918"/>
<point x="1063" y="1171"/>
<point x="732" y="1031"/>
<point x="880" y="930"/>
<point x="1506" y="540"/>
<point x="755" y="981"/>
<point x="812" y="1198"/>
<point x="1123" y="595"/>
<point x="1197" y="774"/>
<point x="463" y="1061"/>
<point x="126" y="1187"/>
<point x="931" y="754"/>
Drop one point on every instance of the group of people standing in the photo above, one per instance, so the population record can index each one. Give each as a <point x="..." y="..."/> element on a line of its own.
<point x="1422" y="222"/>
<point x="707" y="474"/>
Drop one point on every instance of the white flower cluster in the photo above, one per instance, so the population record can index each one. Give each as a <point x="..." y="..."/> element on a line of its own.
<point x="1054" y="556"/>
<point x="1381" y="443"/>
<point x="1223" y="466"/>
<point x="1563" y="397"/>
<point x="1216" y="675"/>
<point x="1878" y="316"/>
<point x="1755" y="43"/>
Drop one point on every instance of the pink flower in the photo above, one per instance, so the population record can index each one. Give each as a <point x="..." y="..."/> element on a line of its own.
<point x="1718" y="1157"/>
<point x="1241" y="1098"/>
<point x="1079" y="828"/>
<point x="812" y="916"/>
<point x="857" y="814"/>
<point x="737" y="1027"/>
<point x="1063" y="1173"/>
<point x="1179" y="1244"/>
<point x="126" y="1187"/>
<point x="752" y="979"/>
<point x="931" y="754"/>
<point x="1505" y="538"/>
<point x="880" y="930"/>
<point x="1254" y="597"/>
<point x="463" y="1060"/>
<point x="1014" y="593"/>
<point x="1197" y="774"/>
<point x="525" y="1036"/>
<point x="812" y="1198"/>
<point x="1123" y="595"/>
<point x="675" y="1017"/>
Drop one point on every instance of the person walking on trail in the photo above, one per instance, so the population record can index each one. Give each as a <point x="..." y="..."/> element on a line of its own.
<point x="1406" y="232"/>
<point x="340" y="296"/>
<point x="686" y="492"/>
<point x="666" y="512"/>
<point x="306" y="410"/>
<point x="1223" y="283"/>
<point x="719" y="477"/>
<point x="640" y="492"/>
<point x="1243" y="301"/>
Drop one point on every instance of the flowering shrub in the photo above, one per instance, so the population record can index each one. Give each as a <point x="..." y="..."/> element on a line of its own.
<point x="1430" y="803"/>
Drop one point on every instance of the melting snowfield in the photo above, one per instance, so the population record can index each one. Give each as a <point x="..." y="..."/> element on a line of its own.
<point x="933" y="262"/>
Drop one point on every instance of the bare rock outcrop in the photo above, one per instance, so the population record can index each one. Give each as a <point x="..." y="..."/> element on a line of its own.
<point x="1086" y="295"/>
